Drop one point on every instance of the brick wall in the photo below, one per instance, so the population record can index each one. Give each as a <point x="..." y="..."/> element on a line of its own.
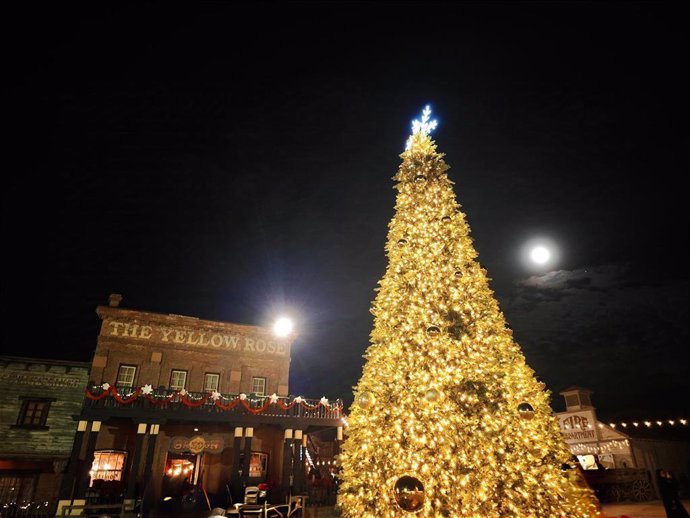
<point x="157" y="344"/>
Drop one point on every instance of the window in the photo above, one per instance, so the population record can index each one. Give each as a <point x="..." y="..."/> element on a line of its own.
<point x="178" y="379"/>
<point x="17" y="489"/>
<point x="33" y="413"/>
<point x="571" y="400"/>
<point x="259" y="386"/>
<point x="125" y="376"/>
<point x="211" y="382"/>
<point x="107" y="465"/>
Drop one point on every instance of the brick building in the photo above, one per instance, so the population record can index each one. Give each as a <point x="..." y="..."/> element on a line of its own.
<point x="38" y="400"/>
<point x="175" y="401"/>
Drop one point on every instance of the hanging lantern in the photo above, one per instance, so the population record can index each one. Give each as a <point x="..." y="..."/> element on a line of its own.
<point x="409" y="494"/>
<point x="526" y="411"/>
<point x="432" y="395"/>
<point x="402" y="242"/>
<point x="432" y="330"/>
<point x="365" y="400"/>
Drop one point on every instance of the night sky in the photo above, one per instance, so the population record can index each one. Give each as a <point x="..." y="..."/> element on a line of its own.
<point x="232" y="161"/>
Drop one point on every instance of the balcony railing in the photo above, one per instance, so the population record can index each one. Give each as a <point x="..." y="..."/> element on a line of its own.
<point x="165" y="400"/>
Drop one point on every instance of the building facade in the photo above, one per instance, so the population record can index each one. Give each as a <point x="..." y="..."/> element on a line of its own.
<point x="621" y="465"/>
<point x="175" y="402"/>
<point x="38" y="401"/>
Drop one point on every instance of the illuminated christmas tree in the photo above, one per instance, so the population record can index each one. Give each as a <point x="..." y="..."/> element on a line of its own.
<point x="448" y="419"/>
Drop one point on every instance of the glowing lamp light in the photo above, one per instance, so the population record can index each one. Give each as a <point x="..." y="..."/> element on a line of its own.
<point x="540" y="254"/>
<point x="283" y="327"/>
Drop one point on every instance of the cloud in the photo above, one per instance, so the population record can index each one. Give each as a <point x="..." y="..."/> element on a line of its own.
<point x="591" y="278"/>
<point x="608" y="328"/>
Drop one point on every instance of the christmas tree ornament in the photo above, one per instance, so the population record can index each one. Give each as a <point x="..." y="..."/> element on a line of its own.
<point x="458" y="273"/>
<point x="402" y="242"/>
<point x="365" y="400"/>
<point x="526" y="411"/>
<point x="446" y="219"/>
<point x="409" y="494"/>
<point x="419" y="178"/>
<point x="432" y="330"/>
<point x="432" y="395"/>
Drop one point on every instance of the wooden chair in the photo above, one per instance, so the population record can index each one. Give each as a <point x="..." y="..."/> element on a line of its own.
<point x="295" y="509"/>
<point x="278" y="511"/>
<point x="249" y="510"/>
<point x="251" y="495"/>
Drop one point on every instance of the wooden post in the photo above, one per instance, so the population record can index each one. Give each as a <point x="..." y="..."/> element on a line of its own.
<point x="248" y="434"/>
<point x="235" y="478"/>
<point x="286" y="479"/>
<point x="136" y="458"/>
<point x="85" y="475"/>
<point x="69" y="476"/>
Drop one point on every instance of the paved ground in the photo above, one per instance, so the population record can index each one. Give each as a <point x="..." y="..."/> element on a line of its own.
<point x="654" y="509"/>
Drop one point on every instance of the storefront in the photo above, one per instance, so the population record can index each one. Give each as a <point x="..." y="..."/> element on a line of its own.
<point x="38" y="399"/>
<point x="621" y="465"/>
<point x="593" y="442"/>
<point x="180" y="408"/>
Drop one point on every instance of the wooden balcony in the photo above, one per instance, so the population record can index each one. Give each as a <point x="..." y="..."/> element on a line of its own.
<point x="146" y="404"/>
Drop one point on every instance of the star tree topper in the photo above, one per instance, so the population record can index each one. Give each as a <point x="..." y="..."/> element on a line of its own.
<point x="421" y="128"/>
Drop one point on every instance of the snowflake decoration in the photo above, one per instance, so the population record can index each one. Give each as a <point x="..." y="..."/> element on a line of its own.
<point x="274" y="398"/>
<point x="105" y="386"/>
<point x="215" y="395"/>
<point x="298" y="399"/>
<point x="182" y="392"/>
<point x="425" y="126"/>
<point x="324" y="401"/>
<point x="146" y="389"/>
<point x="243" y="396"/>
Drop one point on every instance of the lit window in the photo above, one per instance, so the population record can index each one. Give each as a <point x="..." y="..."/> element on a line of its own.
<point x="125" y="376"/>
<point x="107" y="465"/>
<point x="259" y="386"/>
<point x="178" y="380"/>
<point x="211" y="382"/>
<point x="34" y="413"/>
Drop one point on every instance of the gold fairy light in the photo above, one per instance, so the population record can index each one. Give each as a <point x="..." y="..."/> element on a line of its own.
<point x="436" y="430"/>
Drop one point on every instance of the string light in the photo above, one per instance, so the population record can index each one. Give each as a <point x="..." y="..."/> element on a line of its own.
<point x="648" y="424"/>
<point x="450" y="439"/>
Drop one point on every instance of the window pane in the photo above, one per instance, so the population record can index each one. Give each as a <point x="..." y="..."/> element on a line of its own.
<point x="107" y="465"/>
<point x="572" y="400"/>
<point x="211" y="382"/>
<point x="125" y="376"/>
<point x="34" y="413"/>
<point x="178" y="380"/>
<point x="259" y="386"/>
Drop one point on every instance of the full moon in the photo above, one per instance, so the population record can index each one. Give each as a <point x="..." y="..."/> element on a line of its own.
<point x="540" y="254"/>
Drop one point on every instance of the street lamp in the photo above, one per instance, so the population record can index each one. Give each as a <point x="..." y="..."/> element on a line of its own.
<point x="283" y="326"/>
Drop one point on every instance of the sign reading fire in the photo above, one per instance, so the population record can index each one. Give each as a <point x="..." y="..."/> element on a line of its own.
<point x="578" y="426"/>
